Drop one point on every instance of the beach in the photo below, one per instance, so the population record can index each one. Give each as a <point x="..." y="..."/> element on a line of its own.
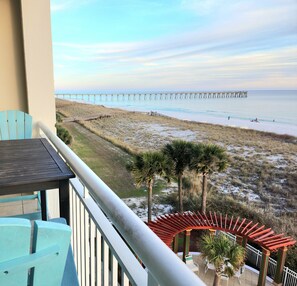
<point x="275" y="111"/>
<point x="265" y="126"/>
<point x="261" y="177"/>
<point x="262" y="167"/>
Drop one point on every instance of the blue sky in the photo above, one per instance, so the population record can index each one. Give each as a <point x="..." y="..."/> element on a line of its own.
<point x="168" y="45"/>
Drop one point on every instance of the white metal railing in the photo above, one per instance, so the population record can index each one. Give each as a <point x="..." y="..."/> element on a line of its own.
<point x="254" y="256"/>
<point x="107" y="235"/>
<point x="101" y="255"/>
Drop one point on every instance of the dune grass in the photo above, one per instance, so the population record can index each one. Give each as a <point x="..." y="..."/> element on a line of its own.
<point x="262" y="163"/>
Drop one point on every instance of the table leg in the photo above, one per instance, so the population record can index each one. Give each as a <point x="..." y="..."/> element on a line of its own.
<point x="43" y="205"/>
<point x="64" y="200"/>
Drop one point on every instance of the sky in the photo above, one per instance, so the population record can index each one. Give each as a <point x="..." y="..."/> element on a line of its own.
<point x="174" y="45"/>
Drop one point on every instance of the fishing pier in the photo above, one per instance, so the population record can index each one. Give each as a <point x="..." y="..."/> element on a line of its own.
<point x="152" y="96"/>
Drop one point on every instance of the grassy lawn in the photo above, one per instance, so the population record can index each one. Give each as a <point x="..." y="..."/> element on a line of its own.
<point x="107" y="161"/>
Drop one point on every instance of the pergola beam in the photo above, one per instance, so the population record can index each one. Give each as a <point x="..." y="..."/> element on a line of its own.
<point x="169" y="225"/>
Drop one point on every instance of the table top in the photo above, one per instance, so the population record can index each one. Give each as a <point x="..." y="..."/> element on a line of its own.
<point x="30" y="165"/>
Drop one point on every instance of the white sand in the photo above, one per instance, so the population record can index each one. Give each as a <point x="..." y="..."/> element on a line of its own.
<point x="274" y="127"/>
<point x="139" y="207"/>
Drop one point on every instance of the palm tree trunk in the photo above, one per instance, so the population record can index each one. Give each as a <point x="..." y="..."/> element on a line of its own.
<point x="204" y="193"/>
<point x="149" y="200"/>
<point x="198" y="184"/>
<point x="180" y="192"/>
<point x="217" y="280"/>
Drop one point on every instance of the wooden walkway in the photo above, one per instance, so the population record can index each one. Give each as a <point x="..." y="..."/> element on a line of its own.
<point x="85" y="118"/>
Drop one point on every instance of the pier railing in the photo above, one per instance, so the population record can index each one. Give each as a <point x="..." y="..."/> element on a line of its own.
<point x="90" y="97"/>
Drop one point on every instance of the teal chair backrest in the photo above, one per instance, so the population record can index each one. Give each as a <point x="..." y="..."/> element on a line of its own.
<point x="39" y="259"/>
<point x="15" y="124"/>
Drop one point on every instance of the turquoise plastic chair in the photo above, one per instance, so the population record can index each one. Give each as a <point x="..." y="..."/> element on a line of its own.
<point x="15" y="124"/>
<point x="42" y="257"/>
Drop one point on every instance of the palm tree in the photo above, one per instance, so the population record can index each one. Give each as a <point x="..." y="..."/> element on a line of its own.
<point x="145" y="167"/>
<point x="179" y="152"/>
<point x="207" y="159"/>
<point x="226" y="256"/>
<point x="197" y="153"/>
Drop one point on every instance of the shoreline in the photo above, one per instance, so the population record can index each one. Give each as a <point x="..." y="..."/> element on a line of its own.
<point x="260" y="125"/>
<point x="263" y="126"/>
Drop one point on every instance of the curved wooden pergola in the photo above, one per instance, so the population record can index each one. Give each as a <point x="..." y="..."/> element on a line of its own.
<point x="166" y="227"/>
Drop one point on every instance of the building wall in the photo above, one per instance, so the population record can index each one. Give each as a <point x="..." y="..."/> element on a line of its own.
<point x="26" y="60"/>
<point x="26" y="65"/>
<point x="13" y="93"/>
<point x="38" y="56"/>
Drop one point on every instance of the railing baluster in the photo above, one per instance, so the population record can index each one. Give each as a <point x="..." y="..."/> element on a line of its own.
<point x="92" y="253"/>
<point x="74" y="230"/>
<point x="82" y="245"/>
<point x="78" y="233"/>
<point x="105" y="264"/>
<point x="99" y="258"/>
<point x="125" y="280"/>
<point x="114" y="271"/>
<point x="87" y="248"/>
<point x="71" y="202"/>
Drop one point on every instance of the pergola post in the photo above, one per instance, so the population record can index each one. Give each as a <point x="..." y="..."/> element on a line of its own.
<point x="263" y="267"/>
<point x="239" y="240"/>
<point x="282" y="253"/>
<point x="244" y="242"/>
<point x="175" y="244"/>
<point x="186" y="250"/>
<point x="212" y="232"/>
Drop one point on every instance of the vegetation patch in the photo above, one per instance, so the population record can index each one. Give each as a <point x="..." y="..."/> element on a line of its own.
<point x="260" y="182"/>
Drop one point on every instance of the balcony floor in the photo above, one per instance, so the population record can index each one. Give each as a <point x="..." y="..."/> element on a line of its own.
<point x="248" y="278"/>
<point x="17" y="208"/>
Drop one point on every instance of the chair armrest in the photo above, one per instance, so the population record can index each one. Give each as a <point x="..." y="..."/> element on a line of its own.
<point x="70" y="274"/>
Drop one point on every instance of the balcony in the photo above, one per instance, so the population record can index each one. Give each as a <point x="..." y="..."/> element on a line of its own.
<point x="111" y="245"/>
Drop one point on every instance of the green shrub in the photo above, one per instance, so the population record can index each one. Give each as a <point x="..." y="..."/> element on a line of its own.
<point x="58" y="118"/>
<point x="64" y="134"/>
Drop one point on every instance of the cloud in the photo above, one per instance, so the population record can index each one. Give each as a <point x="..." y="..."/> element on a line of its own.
<point x="245" y="42"/>
<point x="244" y="33"/>
<point x="60" y="5"/>
<point x="201" y="7"/>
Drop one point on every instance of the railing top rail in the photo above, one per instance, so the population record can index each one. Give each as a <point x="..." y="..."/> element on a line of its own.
<point x="161" y="262"/>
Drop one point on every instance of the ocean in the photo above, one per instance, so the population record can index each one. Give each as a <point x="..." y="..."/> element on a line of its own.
<point x="275" y="110"/>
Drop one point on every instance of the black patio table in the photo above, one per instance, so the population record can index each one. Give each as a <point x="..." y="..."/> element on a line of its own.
<point x="30" y="165"/>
